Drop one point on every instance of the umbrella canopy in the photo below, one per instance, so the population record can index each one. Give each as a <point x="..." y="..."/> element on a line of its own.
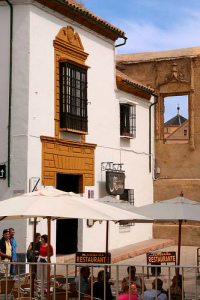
<point x="174" y="210"/>
<point x="51" y="203"/>
<point x="111" y="200"/>
<point x="56" y="204"/>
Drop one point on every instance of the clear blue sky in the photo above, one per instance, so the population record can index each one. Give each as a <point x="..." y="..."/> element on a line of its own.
<point x="153" y="25"/>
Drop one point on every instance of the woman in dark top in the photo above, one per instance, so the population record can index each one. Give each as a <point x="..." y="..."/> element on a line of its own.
<point x="37" y="249"/>
<point x="98" y="288"/>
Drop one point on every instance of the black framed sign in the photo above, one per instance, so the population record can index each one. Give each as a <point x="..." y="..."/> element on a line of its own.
<point x="115" y="183"/>
<point x="3" y="171"/>
<point x="93" y="257"/>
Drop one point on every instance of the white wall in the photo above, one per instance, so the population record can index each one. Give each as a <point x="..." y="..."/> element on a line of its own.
<point x="33" y="107"/>
<point x="19" y="111"/>
<point x="134" y="154"/>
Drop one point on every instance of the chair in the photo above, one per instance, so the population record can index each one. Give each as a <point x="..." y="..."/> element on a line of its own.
<point x="57" y="276"/>
<point x="62" y="295"/>
<point x="26" y="280"/>
<point x="58" y="284"/>
<point x="10" y="284"/>
<point x="15" y="293"/>
<point x="24" y="298"/>
<point x="25" y="285"/>
<point x="72" y="288"/>
<point x="86" y="297"/>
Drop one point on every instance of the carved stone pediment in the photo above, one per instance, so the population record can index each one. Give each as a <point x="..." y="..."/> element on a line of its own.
<point x="174" y="83"/>
<point x="67" y="35"/>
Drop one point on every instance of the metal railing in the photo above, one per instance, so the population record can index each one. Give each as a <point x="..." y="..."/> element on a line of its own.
<point x="190" y="280"/>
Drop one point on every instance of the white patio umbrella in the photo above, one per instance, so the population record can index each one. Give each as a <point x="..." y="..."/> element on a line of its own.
<point x="112" y="201"/>
<point x="174" y="210"/>
<point x="51" y="203"/>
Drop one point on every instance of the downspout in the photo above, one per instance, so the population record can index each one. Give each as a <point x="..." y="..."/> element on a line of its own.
<point x="156" y="96"/>
<point x="124" y="43"/>
<point x="10" y="88"/>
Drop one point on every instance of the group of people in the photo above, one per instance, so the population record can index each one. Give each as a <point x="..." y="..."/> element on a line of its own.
<point x="41" y="250"/>
<point x="8" y="253"/>
<point x="131" y="284"/>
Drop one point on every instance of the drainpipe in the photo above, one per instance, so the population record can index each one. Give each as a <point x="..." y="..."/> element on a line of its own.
<point x="10" y="88"/>
<point x="124" y="43"/>
<point x="155" y="96"/>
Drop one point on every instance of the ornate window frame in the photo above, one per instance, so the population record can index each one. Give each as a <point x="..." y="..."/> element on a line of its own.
<point x="174" y="86"/>
<point x="67" y="48"/>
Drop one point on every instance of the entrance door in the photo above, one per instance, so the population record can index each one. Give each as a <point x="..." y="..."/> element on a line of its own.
<point x="67" y="230"/>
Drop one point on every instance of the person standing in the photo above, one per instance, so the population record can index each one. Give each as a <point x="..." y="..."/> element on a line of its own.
<point x="14" y="254"/>
<point x="5" y="251"/>
<point x="37" y="250"/>
<point x="43" y="256"/>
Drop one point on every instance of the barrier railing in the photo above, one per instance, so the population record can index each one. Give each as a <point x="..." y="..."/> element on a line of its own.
<point x="66" y="283"/>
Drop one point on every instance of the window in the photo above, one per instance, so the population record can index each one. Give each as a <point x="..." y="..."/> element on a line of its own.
<point x="175" y="118"/>
<point x="127" y="120"/>
<point x="128" y="195"/>
<point x="73" y="97"/>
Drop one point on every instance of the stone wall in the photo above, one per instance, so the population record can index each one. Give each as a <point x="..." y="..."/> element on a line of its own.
<point x="172" y="73"/>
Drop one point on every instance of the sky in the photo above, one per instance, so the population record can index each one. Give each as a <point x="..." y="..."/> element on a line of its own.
<point x="153" y="25"/>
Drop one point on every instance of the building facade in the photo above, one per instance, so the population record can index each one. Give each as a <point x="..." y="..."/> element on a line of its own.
<point x="65" y="118"/>
<point x="172" y="73"/>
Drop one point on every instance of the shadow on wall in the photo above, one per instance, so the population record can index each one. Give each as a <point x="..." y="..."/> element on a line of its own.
<point x="102" y="189"/>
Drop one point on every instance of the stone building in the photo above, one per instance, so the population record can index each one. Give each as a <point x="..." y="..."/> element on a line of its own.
<point x="176" y="129"/>
<point x="172" y="73"/>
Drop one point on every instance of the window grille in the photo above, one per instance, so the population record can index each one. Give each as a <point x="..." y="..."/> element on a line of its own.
<point x="128" y="195"/>
<point x="73" y="97"/>
<point x="128" y="120"/>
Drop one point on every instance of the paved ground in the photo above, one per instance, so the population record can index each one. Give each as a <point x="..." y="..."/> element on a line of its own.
<point x="136" y="255"/>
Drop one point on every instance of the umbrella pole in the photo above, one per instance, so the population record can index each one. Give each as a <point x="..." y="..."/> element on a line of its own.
<point x="179" y="245"/>
<point x="107" y="229"/>
<point x="33" y="266"/>
<point x="48" y="257"/>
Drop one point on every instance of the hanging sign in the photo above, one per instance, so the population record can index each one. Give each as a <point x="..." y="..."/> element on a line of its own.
<point x="115" y="183"/>
<point x="3" y="171"/>
<point x="93" y="257"/>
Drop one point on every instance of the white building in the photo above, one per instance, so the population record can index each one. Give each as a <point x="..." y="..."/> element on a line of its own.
<point x="65" y="118"/>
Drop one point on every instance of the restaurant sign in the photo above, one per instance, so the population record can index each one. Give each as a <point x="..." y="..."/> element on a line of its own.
<point x="162" y="257"/>
<point x="93" y="257"/>
<point x="115" y="182"/>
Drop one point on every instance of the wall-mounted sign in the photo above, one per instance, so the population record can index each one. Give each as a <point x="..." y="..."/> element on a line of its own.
<point x="34" y="184"/>
<point x="93" y="257"/>
<point x="90" y="193"/>
<point x="162" y="257"/>
<point x="3" y="171"/>
<point x="115" y="182"/>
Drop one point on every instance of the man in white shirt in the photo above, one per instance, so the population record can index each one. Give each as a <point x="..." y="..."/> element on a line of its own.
<point x="5" y="251"/>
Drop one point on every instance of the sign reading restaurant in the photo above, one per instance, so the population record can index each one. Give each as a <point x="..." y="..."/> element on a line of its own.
<point x="162" y="257"/>
<point x="115" y="182"/>
<point x="93" y="257"/>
